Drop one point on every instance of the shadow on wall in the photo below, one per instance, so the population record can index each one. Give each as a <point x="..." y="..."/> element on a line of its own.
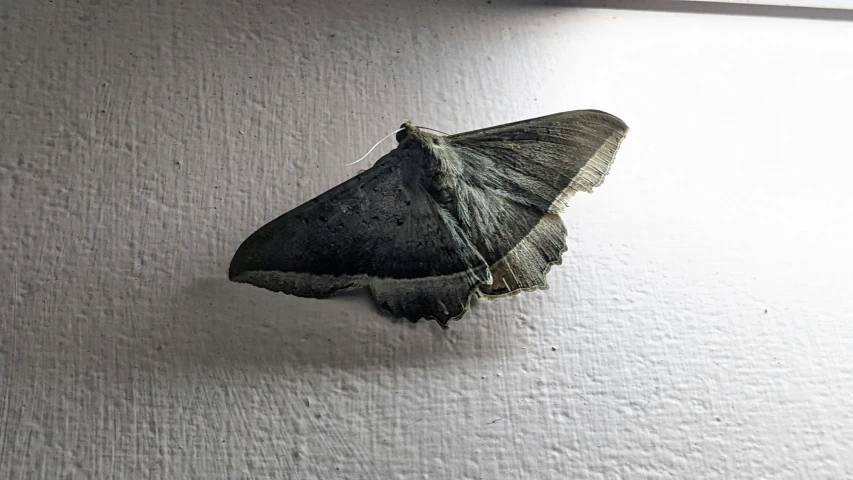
<point x="218" y="323"/>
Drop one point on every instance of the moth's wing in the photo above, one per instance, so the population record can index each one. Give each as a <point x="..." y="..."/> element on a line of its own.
<point x="542" y="162"/>
<point x="380" y="230"/>
<point x="516" y="179"/>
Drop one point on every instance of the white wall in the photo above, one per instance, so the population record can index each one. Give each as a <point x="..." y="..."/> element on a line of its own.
<point x="701" y="325"/>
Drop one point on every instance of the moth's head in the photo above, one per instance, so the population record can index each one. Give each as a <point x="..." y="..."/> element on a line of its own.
<point x="410" y="133"/>
<point x="407" y="131"/>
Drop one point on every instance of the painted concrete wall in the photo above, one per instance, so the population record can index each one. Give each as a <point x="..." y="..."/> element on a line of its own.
<point x="701" y="325"/>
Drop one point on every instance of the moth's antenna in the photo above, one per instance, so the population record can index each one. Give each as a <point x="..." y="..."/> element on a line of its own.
<point x="434" y="130"/>
<point x="377" y="144"/>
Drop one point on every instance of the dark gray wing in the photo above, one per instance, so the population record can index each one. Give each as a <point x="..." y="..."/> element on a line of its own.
<point x="379" y="229"/>
<point x="517" y="177"/>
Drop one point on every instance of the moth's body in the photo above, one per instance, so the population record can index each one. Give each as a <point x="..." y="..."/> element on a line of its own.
<point x="439" y="218"/>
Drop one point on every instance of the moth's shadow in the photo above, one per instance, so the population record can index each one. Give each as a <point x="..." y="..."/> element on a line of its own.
<point x="219" y="323"/>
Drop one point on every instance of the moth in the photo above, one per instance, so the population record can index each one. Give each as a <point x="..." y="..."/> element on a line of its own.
<point x="440" y="219"/>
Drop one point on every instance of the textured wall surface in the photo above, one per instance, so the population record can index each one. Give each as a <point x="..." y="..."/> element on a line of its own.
<point x="701" y="325"/>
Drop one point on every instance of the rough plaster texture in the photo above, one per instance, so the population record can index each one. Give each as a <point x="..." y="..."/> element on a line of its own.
<point x="701" y="325"/>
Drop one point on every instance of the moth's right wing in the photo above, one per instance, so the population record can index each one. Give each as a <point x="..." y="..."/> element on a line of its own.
<point x="543" y="161"/>
<point x="517" y="177"/>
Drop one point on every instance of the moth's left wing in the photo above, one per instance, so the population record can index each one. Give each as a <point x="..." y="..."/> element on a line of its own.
<point x="517" y="177"/>
<point x="378" y="230"/>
